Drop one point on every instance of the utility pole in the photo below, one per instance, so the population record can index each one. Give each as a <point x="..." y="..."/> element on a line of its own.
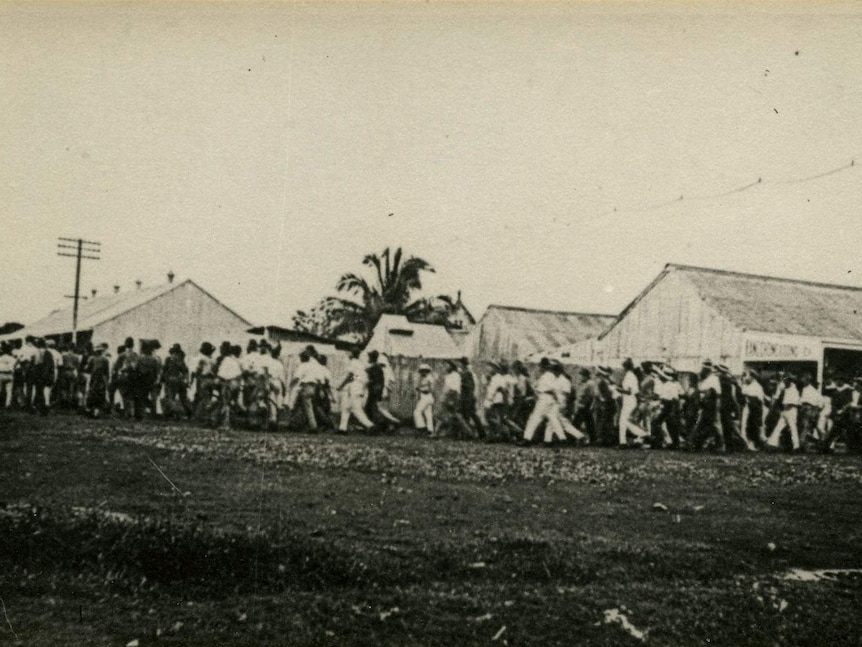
<point x="86" y="249"/>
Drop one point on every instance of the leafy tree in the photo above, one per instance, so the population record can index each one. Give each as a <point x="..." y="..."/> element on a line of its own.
<point x="10" y="327"/>
<point x="388" y="286"/>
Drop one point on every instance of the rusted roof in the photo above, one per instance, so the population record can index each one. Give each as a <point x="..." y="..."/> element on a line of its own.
<point x="530" y="331"/>
<point x="777" y="305"/>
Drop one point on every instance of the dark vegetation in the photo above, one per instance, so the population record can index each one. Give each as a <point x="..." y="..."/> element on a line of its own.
<point x="313" y="540"/>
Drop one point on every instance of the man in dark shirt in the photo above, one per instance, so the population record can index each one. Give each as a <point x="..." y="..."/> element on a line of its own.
<point x="42" y="375"/>
<point x="376" y="386"/>
<point x="468" y="398"/>
<point x="583" y="418"/>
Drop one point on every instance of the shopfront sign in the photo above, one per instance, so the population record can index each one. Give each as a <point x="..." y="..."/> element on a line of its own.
<point x="781" y="348"/>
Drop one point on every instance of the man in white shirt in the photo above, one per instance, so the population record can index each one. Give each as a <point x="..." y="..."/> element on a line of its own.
<point x="629" y="390"/>
<point x="57" y="357"/>
<point x="230" y="379"/>
<point x="667" y="423"/>
<point x="752" y="414"/>
<point x="354" y="392"/>
<point x="789" y="415"/>
<point x="388" y="387"/>
<point x="545" y="408"/>
<point x="7" y="371"/>
<point x="563" y="394"/>
<point x="451" y="422"/>
<point x="269" y="367"/>
<point x="810" y="404"/>
<point x="494" y="406"/>
<point x="305" y="380"/>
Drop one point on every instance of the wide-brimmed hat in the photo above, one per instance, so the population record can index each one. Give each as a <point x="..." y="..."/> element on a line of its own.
<point x="423" y="368"/>
<point x="207" y="348"/>
<point x="176" y="348"/>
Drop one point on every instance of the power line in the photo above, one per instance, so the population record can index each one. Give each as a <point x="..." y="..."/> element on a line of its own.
<point x="84" y="249"/>
<point x="713" y="196"/>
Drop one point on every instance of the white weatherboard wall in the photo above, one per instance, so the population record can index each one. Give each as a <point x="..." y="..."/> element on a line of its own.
<point x="186" y="315"/>
<point x="671" y="322"/>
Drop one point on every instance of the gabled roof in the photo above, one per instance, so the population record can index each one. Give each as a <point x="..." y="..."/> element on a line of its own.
<point x="100" y="310"/>
<point x="299" y="336"/>
<point x="771" y="304"/>
<point x="395" y="335"/>
<point x="543" y="330"/>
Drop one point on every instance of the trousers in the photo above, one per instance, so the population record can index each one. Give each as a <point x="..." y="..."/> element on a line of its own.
<point x="546" y="409"/>
<point x="423" y="414"/>
<point x="787" y="419"/>
<point x="354" y="405"/>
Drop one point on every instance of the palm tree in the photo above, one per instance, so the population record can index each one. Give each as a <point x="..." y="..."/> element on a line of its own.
<point x="389" y="291"/>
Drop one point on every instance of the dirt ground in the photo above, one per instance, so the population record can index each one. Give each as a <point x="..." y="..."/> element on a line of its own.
<point x="113" y="533"/>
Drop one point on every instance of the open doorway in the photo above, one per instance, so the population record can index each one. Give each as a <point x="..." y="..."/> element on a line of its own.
<point x="841" y="361"/>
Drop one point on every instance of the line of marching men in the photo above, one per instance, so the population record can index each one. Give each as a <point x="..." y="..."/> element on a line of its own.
<point x="642" y="406"/>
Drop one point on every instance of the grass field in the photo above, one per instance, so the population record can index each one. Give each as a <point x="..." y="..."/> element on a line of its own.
<point x="113" y="532"/>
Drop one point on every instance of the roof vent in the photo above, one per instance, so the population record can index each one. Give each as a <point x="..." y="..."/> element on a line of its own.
<point x="93" y="292"/>
<point x="116" y="289"/>
<point x="171" y="276"/>
<point x="139" y="283"/>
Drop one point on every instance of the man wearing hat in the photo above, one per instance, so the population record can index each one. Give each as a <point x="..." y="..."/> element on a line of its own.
<point x="203" y="378"/>
<point x="709" y="396"/>
<point x="98" y="367"/>
<point x="789" y="415"/>
<point x="175" y="377"/>
<point x="423" y="414"/>
<point x="546" y="409"/>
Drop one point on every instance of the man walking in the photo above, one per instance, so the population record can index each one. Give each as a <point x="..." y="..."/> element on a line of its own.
<point x="629" y="390"/>
<point x="709" y="400"/>
<point x="423" y="414"/>
<point x="545" y="409"/>
<point x="353" y="398"/>
<point x="468" y="398"/>
<point x="789" y="416"/>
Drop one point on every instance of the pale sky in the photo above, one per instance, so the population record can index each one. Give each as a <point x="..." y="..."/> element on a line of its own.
<point x="259" y="149"/>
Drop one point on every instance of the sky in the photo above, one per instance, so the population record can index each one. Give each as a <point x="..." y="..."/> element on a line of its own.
<point x="544" y="155"/>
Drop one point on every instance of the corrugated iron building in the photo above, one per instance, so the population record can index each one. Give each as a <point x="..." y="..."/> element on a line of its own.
<point x="511" y="333"/>
<point x="688" y="314"/>
<point x="181" y="312"/>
